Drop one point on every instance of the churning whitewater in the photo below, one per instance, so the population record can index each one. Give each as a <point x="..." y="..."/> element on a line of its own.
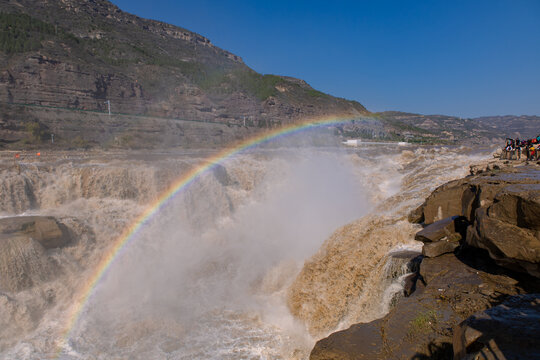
<point x="257" y="259"/>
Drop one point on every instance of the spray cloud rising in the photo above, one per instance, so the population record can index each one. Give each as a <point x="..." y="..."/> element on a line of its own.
<point x="206" y="257"/>
<point x="243" y="263"/>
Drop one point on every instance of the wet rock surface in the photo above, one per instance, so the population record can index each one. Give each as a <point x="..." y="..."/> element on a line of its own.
<point x="468" y="280"/>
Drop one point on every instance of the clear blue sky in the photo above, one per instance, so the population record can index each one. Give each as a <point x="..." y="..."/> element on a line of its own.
<point x="456" y="57"/>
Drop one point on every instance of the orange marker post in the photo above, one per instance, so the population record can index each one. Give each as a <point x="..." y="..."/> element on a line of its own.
<point x="16" y="164"/>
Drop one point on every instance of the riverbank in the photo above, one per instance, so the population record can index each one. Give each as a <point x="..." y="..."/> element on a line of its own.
<point x="480" y="264"/>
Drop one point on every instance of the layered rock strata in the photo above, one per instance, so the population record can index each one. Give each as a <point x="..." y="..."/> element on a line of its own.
<point x="502" y="209"/>
<point x="160" y="81"/>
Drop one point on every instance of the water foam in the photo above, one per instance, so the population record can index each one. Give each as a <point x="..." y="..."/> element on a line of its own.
<point x="213" y="275"/>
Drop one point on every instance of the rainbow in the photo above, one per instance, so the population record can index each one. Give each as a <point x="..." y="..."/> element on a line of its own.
<point x="185" y="180"/>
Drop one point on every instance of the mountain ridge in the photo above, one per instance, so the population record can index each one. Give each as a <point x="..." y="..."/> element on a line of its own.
<point x="79" y="57"/>
<point x="148" y="66"/>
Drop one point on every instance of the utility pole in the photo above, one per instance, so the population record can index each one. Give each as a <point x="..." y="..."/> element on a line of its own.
<point x="108" y="102"/>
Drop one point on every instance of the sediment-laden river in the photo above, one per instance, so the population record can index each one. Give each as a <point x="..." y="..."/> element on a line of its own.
<point x="255" y="258"/>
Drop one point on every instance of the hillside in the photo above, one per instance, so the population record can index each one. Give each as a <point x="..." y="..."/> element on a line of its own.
<point x="450" y="129"/>
<point x="435" y="128"/>
<point x="77" y="54"/>
<point x="523" y="126"/>
<point x="62" y="62"/>
<point x="86" y="52"/>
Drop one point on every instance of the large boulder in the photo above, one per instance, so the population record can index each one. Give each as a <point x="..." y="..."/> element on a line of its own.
<point x="447" y="200"/>
<point x="462" y="197"/>
<point x="504" y="208"/>
<point x="510" y="246"/>
<point x="360" y="341"/>
<point x="438" y="248"/>
<point x="508" y="226"/>
<point x="518" y="205"/>
<point x="442" y="236"/>
<point x="507" y="331"/>
<point x="449" y="229"/>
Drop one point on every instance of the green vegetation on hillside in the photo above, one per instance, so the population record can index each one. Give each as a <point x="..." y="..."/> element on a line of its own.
<point x="249" y="81"/>
<point x="315" y="93"/>
<point x="242" y="79"/>
<point x="90" y="51"/>
<point x="37" y="132"/>
<point x="22" y="33"/>
<point x="262" y="86"/>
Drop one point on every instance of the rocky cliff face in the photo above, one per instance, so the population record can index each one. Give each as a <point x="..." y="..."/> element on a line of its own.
<point x="75" y="55"/>
<point x="78" y="54"/>
<point x="90" y="10"/>
<point x="481" y="248"/>
<point x="503" y="210"/>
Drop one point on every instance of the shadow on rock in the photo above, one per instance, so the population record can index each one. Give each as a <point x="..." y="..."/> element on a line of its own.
<point x="436" y="351"/>
<point x="506" y="331"/>
<point x="480" y="260"/>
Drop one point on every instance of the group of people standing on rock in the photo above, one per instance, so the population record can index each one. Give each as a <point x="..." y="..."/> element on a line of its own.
<point x="515" y="147"/>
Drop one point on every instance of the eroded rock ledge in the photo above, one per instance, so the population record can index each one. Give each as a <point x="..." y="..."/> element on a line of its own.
<point x="481" y="267"/>
<point x="24" y="245"/>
